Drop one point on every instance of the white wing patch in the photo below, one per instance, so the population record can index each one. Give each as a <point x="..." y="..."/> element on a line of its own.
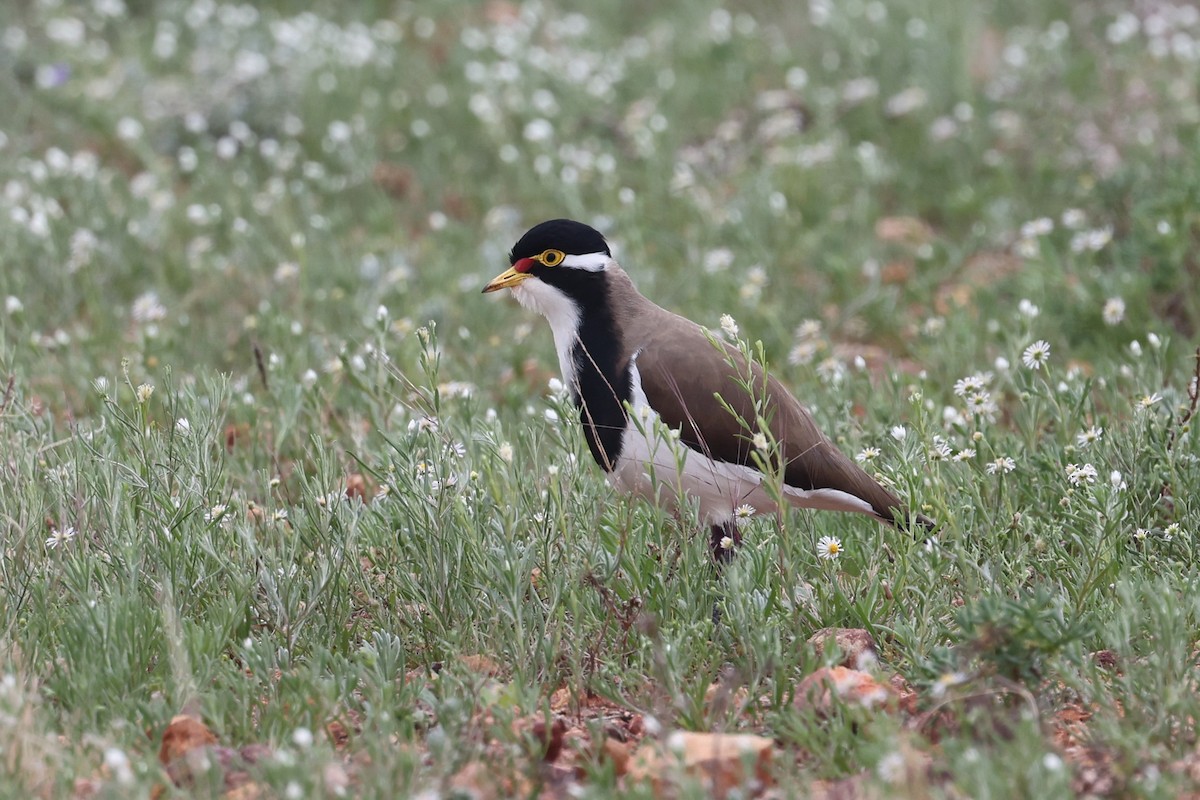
<point x="655" y="465"/>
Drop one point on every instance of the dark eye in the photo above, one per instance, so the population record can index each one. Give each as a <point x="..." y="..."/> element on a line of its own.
<point x="552" y="258"/>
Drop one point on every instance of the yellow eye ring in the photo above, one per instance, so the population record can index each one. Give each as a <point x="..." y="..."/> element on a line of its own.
<point x="552" y="258"/>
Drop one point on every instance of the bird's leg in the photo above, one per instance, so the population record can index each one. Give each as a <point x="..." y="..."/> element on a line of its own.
<point x="723" y="542"/>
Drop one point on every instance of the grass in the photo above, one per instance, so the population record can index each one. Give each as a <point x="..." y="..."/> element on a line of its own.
<point x="343" y="477"/>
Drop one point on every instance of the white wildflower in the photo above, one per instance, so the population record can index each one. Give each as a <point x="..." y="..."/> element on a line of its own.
<point x="729" y="326"/>
<point x="1079" y="475"/>
<point x="1036" y="355"/>
<point x="829" y="548"/>
<point x="60" y="537"/>
<point x="1002" y="465"/>
<point x="1114" y="311"/>
<point x="867" y="454"/>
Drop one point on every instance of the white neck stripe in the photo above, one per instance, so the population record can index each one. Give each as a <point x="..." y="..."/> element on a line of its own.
<point x="592" y="262"/>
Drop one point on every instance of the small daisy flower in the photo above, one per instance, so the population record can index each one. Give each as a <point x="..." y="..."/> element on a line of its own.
<point x="972" y="384"/>
<point x="281" y="514"/>
<point x="1089" y="437"/>
<point x="118" y="763"/>
<point x="743" y="512"/>
<point x="808" y="329"/>
<point x="890" y="768"/>
<point x="831" y="370"/>
<point x="829" y="548"/>
<point x="1170" y="531"/>
<point x="899" y="432"/>
<point x="1114" y="311"/>
<point x="1079" y="475"/>
<point x="1073" y="218"/>
<point x="330" y="500"/>
<point x="1027" y="248"/>
<point x="760" y="441"/>
<point x="729" y="326"/>
<point x="148" y="308"/>
<point x="144" y="391"/>
<point x="1036" y="355"/>
<point x="965" y="454"/>
<point x="1140" y="535"/>
<point x="1002" y="466"/>
<point x="867" y="454"/>
<point x="726" y="542"/>
<point x="803" y="353"/>
<point x="60" y="537"/>
<point x="215" y="513"/>
<point x="1117" y="480"/>
<point x="1038" y="227"/>
<point x="947" y="680"/>
<point x="1149" y="401"/>
<point x="980" y="404"/>
<point x="1027" y="309"/>
<point x="939" y="452"/>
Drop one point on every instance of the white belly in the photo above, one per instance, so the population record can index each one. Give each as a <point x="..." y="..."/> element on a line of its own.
<point x="658" y="467"/>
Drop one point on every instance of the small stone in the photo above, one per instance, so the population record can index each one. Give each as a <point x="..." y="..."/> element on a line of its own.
<point x="821" y="690"/>
<point x="856" y="645"/>
<point x="717" y="758"/>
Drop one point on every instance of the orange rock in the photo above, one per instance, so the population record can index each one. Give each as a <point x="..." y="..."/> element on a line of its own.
<point x="247" y="791"/>
<point x="720" y="698"/>
<point x="547" y="737"/>
<point x="185" y="749"/>
<point x="183" y="734"/>
<point x="719" y="759"/>
<point x="903" y="230"/>
<point x="827" y="686"/>
<point x="481" y="665"/>
<point x="855" y="644"/>
<point x="906" y="694"/>
<point x="560" y="700"/>
<point x="618" y="753"/>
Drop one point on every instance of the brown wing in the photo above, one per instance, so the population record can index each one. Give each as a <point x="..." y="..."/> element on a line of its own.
<point x="678" y="361"/>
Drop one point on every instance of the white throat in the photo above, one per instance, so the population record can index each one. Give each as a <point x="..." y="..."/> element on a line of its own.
<point x="563" y="315"/>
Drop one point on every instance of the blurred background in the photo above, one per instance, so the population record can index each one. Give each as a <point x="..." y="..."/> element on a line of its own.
<point x="183" y="179"/>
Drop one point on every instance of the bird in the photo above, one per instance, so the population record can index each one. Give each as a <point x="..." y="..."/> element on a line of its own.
<point x="670" y="412"/>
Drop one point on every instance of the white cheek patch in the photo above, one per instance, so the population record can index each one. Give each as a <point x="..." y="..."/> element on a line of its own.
<point x="563" y="315"/>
